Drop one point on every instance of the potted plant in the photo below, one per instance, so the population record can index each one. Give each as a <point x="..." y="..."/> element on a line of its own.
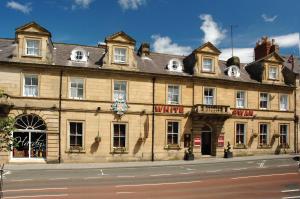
<point x="188" y="155"/>
<point x="227" y="152"/>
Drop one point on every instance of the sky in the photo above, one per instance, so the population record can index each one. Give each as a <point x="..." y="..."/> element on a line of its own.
<point x="170" y="26"/>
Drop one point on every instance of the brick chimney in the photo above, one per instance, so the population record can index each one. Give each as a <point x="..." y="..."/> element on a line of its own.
<point x="265" y="47"/>
<point x="144" y="49"/>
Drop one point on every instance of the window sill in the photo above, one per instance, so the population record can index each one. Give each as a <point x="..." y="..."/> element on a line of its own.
<point x="264" y="147"/>
<point x="75" y="151"/>
<point x="172" y="147"/>
<point x="119" y="150"/>
<point x="284" y="146"/>
<point x="74" y="98"/>
<point x="240" y="146"/>
<point x="33" y="56"/>
<point x="121" y="63"/>
<point x="208" y="72"/>
<point x="30" y="96"/>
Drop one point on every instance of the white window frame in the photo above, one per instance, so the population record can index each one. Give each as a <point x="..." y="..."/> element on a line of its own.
<point x="240" y="99"/>
<point x="261" y="100"/>
<point x="172" y="87"/>
<point x="205" y="98"/>
<point x="172" y="133"/>
<point x="273" y="74"/>
<point x="82" y="147"/>
<point x="283" y="107"/>
<point x="240" y="133"/>
<point x="118" y="56"/>
<point x="283" y="134"/>
<point x="120" y="91"/>
<point x="77" y="81"/>
<point x="264" y="136"/>
<point x="31" y="86"/>
<point x="36" y="50"/>
<point x="204" y="65"/>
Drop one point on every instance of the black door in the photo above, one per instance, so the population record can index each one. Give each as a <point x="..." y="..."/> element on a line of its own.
<point x="206" y="143"/>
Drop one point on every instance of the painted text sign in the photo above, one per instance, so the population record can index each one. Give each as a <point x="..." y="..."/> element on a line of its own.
<point x="242" y="112"/>
<point x="168" y="109"/>
<point x="221" y="140"/>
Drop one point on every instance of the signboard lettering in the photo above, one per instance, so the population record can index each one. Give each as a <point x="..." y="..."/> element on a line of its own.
<point x="168" y="109"/>
<point x="221" y="140"/>
<point x="242" y="112"/>
<point x="197" y="141"/>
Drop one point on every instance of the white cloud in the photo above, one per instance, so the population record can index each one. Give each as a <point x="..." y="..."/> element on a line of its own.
<point x="131" y="4"/>
<point x="245" y="54"/>
<point x="165" y="45"/>
<point x="212" y="32"/>
<point x="25" y="8"/>
<point x="81" y="4"/>
<point x="286" y="41"/>
<point x="268" y="19"/>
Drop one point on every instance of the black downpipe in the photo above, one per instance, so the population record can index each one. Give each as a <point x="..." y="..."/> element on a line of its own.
<point x="296" y="121"/>
<point x="153" y="118"/>
<point x="59" y="117"/>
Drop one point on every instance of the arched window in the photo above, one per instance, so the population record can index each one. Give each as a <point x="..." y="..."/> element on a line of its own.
<point x="30" y="122"/>
<point x="79" y="55"/>
<point x="175" y="65"/>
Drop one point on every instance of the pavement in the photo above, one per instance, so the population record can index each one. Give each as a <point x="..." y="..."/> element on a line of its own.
<point x="68" y="166"/>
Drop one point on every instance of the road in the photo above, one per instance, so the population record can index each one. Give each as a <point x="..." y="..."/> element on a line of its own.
<point x="245" y="179"/>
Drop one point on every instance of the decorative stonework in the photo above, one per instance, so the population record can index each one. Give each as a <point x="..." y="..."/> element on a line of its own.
<point x="119" y="106"/>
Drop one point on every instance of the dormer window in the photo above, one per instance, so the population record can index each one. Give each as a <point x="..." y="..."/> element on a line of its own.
<point x="233" y="71"/>
<point x="273" y="72"/>
<point x="175" y="65"/>
<point x="79" y="55"/>
<point x="120" y="55"/>
<point x="207" y="65"/>
<point x="32" y="47"/>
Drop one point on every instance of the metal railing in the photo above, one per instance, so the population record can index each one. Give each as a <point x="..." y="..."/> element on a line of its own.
<point x="214" y="109"/>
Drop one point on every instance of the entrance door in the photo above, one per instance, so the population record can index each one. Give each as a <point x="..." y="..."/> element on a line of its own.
<point x="206" y="143"/>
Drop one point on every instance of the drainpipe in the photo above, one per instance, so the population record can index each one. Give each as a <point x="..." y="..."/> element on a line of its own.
<point x="153" y="118"/>
<point x="192" y="130"/>
<point x="296" y="120"/>
<point x="59" y="117"/>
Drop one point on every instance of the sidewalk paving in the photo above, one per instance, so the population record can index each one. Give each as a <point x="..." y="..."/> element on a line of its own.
<point x="62" y="166"/>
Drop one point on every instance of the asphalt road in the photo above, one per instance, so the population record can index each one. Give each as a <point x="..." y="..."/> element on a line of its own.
<point x="246" y="179"/>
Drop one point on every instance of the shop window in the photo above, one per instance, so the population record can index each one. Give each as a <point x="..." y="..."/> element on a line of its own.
<point x="173" y="133"/>
<point x="263" y="134"/>
<point x="76" y="88"/>
<point x="240" y="134"/>
<point x="173" y="94"/>
<point x="240" y="99"/>
<point x="283" y="134"/>
<point x="120" y="89"/>
<point x="120" y="55"/>
<point x="209" y="96"/>
<point x="119" y="136"/>
<point x="76" y="135"/>
<point x="31" y="86"/>
<point x="32" y="47"/>
<point x="283" y="102"/>
<point x="264" y="100"/>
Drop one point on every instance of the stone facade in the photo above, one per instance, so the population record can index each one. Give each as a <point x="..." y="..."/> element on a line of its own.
<point x="149" y="109"/>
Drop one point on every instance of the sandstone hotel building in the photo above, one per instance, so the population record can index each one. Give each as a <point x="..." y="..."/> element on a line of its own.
<point x="109" y="102"/>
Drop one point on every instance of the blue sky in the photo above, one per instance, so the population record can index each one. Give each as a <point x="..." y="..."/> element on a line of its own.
<point x="170" y="26"/>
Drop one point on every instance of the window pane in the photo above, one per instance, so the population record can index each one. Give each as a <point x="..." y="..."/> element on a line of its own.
<point x="79" y="128"/>
<point x="116" y="130"/>
<point x="22" y="148"/>
<point x="207" y="65"/>
<point x="72" y="128"/>
<point x="38" y="145"/>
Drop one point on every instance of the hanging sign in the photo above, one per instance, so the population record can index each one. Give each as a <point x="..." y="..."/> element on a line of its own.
<point x="168" y="109"/>
<point x="242" y="112"/>
<point x="119" y="106"/>
<point x="221" y="140"/>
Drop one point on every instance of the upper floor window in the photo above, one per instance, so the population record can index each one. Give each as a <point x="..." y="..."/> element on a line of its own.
<point x="76" y="134"/>
<point x="207" y="65"/>
<point x="32" y="47"/>
<point x="173" y="94"/>
<point x="120" y="90"/>
<point x="209" y="96"/>
<point x="120" y="55"/>
<point x="31" y="83"/>
<point x="283" y="102"/>
<point x="76" y="88"/>
<point x="119" y="135"/>
<point x="240" y="99"/>
<point x="173" y="133"/>
<point x="175" y="65"/>
<point x="272" y="72"/>
<point x="79" y="55"/>
<point x="264" y="100"/>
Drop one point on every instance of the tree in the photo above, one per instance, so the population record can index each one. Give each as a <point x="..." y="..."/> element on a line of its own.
<point x="6" y="129"/>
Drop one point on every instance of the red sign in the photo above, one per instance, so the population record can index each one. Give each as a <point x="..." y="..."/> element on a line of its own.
<point x="168" y="109"/>
<point x="221" y="140"/>
<point x="242" y="112"/>
<point x="197" y="141"/>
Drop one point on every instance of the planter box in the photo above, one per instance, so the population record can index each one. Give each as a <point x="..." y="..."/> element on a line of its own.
<point x="228" y="154"/>
<point x="189" y="156"/>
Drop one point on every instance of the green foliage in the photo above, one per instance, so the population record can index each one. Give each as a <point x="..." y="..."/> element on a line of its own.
<point x="6" y="129"/>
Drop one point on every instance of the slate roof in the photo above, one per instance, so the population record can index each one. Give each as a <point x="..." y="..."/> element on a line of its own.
<point x="155" y="63"/>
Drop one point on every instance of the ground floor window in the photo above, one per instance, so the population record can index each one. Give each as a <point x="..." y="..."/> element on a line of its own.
<point x="76" y="135"/>
<point x="263" y="134"/>
<point x="283" y="134"/>
<point x="173" y="133"/>
<point x="240" y="132"/>
<point x="119" y="136"/>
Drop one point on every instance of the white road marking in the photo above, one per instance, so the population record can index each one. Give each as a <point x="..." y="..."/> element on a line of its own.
<point x="239" y="169"/>
<point x="89" y="178"/>
<point x="163" y="174"/>
<point x="291" y="197"/>
<point x="285" y="165"/>
<point x="23" y="180"/>
<point x="262" y="164"/>
<point x="189" y="169"/>
<point x="59" y="178"/>
<point x="41" y="189"/>
<point x="36" y="196"/>
<point x="157" y="184"/>
<point x="214" y="171"/>
<point x="250" y="162"/>
<point x="124" y="192"/>
<point x="269" y="175"/>
<point x="125" y="176"/>
<point x="187" y="173"/>
<point x="291" y="190"/>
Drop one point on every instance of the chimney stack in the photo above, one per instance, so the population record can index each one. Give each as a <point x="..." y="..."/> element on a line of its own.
<point x="144" y="49"/>
<point x="265" y="47"/>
